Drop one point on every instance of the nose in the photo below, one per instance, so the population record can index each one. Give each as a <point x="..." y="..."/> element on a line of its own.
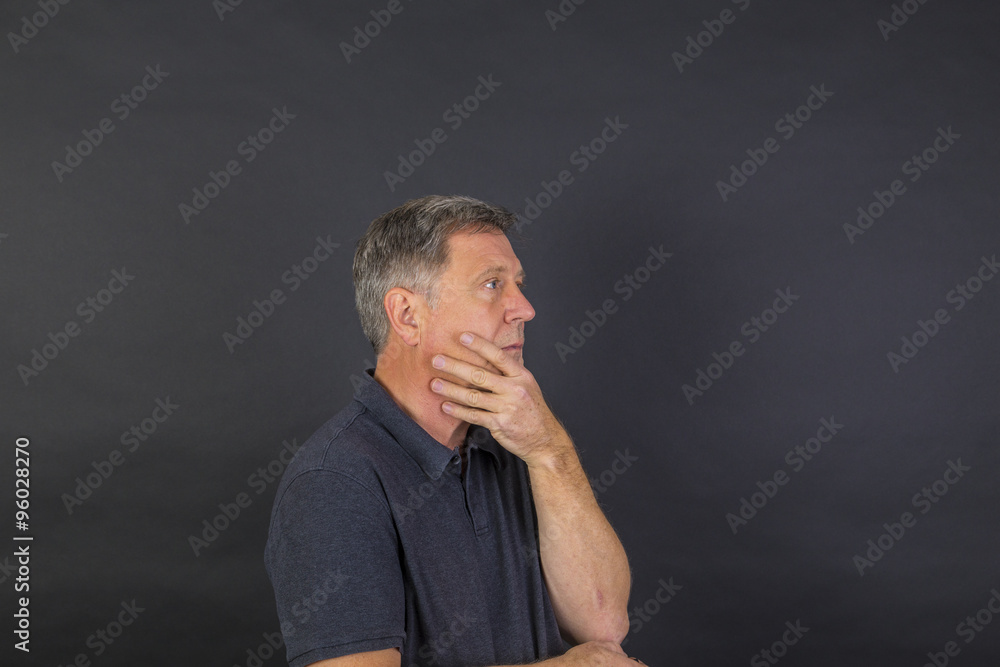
<point x="518" y="307"/>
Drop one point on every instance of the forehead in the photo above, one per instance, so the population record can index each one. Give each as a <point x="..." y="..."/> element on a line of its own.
<point x="471" y="253"/>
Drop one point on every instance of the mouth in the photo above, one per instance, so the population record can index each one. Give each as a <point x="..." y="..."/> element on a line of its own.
<point x="515" y="347"/>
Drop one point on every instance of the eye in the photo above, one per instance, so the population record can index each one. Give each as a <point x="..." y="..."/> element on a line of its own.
<point x="492" y="282"/>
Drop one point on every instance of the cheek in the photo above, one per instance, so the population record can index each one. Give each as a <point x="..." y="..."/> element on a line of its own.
<point x="443" y="339"/>
<point x="482" y="319"/>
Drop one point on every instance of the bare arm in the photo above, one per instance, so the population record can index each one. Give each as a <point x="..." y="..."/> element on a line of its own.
<point x="585" y="567"/>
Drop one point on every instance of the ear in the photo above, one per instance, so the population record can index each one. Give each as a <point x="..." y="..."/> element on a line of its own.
<point x="402" y="307"/>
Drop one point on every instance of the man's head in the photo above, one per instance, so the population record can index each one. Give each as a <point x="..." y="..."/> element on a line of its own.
<point x="437" y="266"/>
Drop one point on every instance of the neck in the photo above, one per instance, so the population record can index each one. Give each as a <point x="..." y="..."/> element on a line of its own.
<point x="407" y="379"/>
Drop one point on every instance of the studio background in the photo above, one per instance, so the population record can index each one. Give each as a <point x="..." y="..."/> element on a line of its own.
<point x="619" y="141"/>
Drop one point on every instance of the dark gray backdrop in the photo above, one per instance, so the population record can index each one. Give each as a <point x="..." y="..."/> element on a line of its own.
<point x="669" y="466"/>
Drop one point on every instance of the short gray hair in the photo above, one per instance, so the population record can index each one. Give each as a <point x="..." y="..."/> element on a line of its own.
<point x="407" y="247"/>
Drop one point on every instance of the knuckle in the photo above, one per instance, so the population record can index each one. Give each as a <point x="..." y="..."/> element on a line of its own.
<point x="473" y="398"/>
<point x="479" y="376"/>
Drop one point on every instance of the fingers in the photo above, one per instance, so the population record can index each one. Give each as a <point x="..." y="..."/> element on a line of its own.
<point x="477" y="395"/>
<point x="476" y="375"/>
<point x="489" y="352"/>
<point x="466" y="414"/>
<point x="472" y="375"/>
<point x="466" y="396"/>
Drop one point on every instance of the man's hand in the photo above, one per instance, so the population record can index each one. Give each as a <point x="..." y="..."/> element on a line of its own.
<point x="597" y="654"/>
<point x="584" y="564"/>
<point x="509" y="404"/>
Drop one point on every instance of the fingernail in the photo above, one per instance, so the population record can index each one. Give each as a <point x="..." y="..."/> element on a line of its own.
<point x="446" y="407"/>
<point x="436" y="385"/>
<point x="438" y="362"/>
<point x="466" y="338"/>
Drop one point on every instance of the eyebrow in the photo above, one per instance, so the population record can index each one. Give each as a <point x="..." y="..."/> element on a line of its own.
<point x="496" y="270"/>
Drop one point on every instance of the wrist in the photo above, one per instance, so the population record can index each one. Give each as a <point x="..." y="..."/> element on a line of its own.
<point x="555" y="457"/>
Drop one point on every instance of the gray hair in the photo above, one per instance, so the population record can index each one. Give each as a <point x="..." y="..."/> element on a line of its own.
<point x="407" y="247"/>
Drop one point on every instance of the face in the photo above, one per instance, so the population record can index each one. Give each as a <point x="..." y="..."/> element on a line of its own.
<point x="479" y="292"/>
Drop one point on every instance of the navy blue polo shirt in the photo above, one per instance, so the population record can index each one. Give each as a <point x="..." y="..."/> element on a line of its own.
<point x="378" y="540"/>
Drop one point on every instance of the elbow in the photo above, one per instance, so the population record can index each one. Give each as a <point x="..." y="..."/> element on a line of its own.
<point x="618" y="627"/>
<point x="609" y="619"/>
<point x="602" y="615"/>
<point x="607" y="625"/>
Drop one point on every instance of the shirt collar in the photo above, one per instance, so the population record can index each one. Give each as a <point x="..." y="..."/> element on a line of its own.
<point x="432" y="457"/>
<point x="479" y="437"/>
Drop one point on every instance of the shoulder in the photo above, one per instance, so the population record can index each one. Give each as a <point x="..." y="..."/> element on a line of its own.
<point x="351" y="448"/>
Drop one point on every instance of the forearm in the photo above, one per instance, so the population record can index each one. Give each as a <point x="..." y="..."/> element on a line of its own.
<point x="585" y="567"/>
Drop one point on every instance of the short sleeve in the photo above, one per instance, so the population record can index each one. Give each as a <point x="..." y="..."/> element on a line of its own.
<point x="332" y="556"/>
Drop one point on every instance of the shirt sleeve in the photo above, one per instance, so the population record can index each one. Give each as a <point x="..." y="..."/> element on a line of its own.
<point x="332" y="556"/>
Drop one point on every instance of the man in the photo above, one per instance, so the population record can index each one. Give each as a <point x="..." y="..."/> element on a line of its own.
<point x="443" y="518"/>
